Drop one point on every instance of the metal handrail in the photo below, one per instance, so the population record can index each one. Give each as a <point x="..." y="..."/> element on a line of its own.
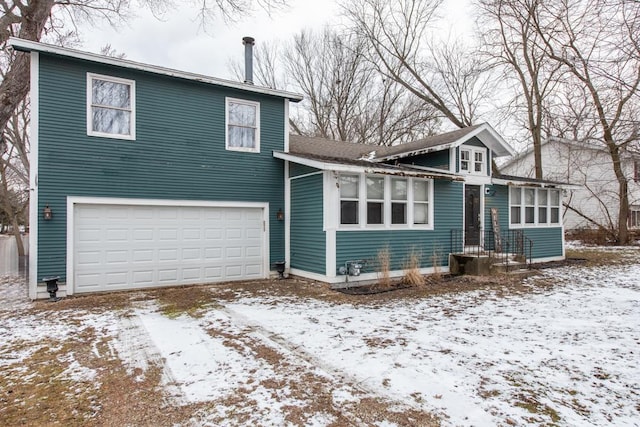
<point x="499" y="246"/>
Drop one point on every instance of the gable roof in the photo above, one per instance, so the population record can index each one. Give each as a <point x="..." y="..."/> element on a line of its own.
<point x="589" y="144"/>
<point x="349" y="151"/>
<point x="31" y="46"/>
<point x="327" y="154"/>
<point x="484" y="132"/>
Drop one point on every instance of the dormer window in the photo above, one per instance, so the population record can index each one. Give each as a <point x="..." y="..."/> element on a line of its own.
<point x="473" y="160"/>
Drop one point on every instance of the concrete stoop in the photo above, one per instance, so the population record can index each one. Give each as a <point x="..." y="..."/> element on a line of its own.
<point x="484" y="265"/>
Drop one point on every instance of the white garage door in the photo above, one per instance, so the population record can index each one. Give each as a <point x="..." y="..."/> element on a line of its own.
<point x="126" y="247"/>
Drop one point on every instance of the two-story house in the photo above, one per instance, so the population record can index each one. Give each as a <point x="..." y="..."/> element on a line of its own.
<point x="143" y="176"/>
<point x="595" y="200"/>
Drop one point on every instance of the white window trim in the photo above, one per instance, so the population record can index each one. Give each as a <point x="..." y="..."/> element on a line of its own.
<point x="362" y="206"/>
<point x="472" y="160"/>
<point x="536" y="206"/>
<point x="633" y="209"/>
<point x="132" y="123"/>
<point x="256" y="148"/>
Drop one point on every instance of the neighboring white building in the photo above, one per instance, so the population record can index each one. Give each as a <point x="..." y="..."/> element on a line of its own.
<point x="589" y="166"/>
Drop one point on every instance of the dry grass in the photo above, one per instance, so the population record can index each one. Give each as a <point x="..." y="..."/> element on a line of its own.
<point x="436" y="256"/>
<point x="412" y="275"/>
<point x="384" y="265"/>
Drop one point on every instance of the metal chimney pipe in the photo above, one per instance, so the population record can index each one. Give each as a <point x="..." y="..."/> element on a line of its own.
<point x="248" y="43"/>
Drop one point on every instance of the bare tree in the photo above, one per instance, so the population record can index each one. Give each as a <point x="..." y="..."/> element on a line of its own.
<point x="14" y="176"/>
<point x="598" y="43"/>
<point x="397" y="41"/>
<point x="346" y="98"/>
<point x="511" y="40"/>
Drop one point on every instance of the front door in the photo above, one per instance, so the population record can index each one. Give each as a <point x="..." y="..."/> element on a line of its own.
<point x="472" y="215"/>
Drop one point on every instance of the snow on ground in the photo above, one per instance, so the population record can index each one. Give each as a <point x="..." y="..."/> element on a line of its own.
<point x="567" y="355"/>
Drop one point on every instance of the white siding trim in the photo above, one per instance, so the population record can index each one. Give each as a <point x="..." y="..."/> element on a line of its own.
<point x="287" y="215"/>
<point x="286" y="125"/>
<point x="74" y="200"/>
<point x="548" y="259"/>
<point x="365" y="277"/>
<point x="329" y="220"/>
<point x="33" y="174"/>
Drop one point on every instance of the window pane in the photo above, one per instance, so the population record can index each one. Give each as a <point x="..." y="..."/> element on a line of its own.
<point x="242" y="114"/>
<point x="107" y="120"/>
<point x="555" y="198"/>
<point x="478" y="167"/>
<point x="242" y="137"/>
<point x="348" y="212"/>
<point x="375" y="213"/>
<point x="111" y="94"/>
<point x="375" y="188"/>
<point x="349" y="186"/>
<point x="542" y="215"/>
<point x="529" y="215"/>
<point x="555" y="215"/>
<point x="515" y="196"/>
<point x="515" y="214"/>
<point x="399" y="189"/>
<point x="420" y="191"/>
<point x="529" y="196"/>
<point x="421" y="213"/>
<point x="464" y="155"/>
<point x="398" y="213"/>
<point x="478" y="156"/>
<point x="542" y="197"/>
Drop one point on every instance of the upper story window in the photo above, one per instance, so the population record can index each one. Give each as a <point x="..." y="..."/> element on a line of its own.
<point x="529" y="207"/>
<point x="243" y="125"/>
<point x="473" y="160"/>
<point x="385" y="201"/>
<point x="111" y="109"/>
<point x="636" y="170"/>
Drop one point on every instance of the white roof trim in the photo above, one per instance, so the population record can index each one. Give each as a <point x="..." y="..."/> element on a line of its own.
<point x="532" y="183"/>
<point x="28" y="46"/>
<point x="503" y="149"/>
<point x="339" y="167"/>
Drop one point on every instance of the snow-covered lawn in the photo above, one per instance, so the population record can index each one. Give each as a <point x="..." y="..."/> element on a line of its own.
<point x="565" y="354"/>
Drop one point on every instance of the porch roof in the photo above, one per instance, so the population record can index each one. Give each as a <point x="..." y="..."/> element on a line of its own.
<point x="531" y="182"/>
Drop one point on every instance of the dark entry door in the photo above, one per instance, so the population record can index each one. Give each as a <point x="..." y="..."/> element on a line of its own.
<point x="472" y="215"/>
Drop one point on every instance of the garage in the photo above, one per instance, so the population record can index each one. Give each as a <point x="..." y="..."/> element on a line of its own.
<point x="129" y="246"/>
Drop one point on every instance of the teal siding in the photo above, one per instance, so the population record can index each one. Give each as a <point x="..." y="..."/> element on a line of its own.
<point x="438" y="159"/>
<point x="297" y="170"/>
<point x="475" y="142"/>
<point x="547" y="241"/>
<point x="448" y="208"/>
<point x="308" y="241"/>
<point x="179" y="151"/>
<point x="498" y="198"/>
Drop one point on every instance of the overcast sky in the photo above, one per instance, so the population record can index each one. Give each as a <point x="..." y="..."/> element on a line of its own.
<point x="176" y="41"/>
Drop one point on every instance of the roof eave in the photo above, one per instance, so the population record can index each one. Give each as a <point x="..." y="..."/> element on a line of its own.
<point x="29" y="46"/>
<point x="341" y="167"/>
<point x="531" y="183"/>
